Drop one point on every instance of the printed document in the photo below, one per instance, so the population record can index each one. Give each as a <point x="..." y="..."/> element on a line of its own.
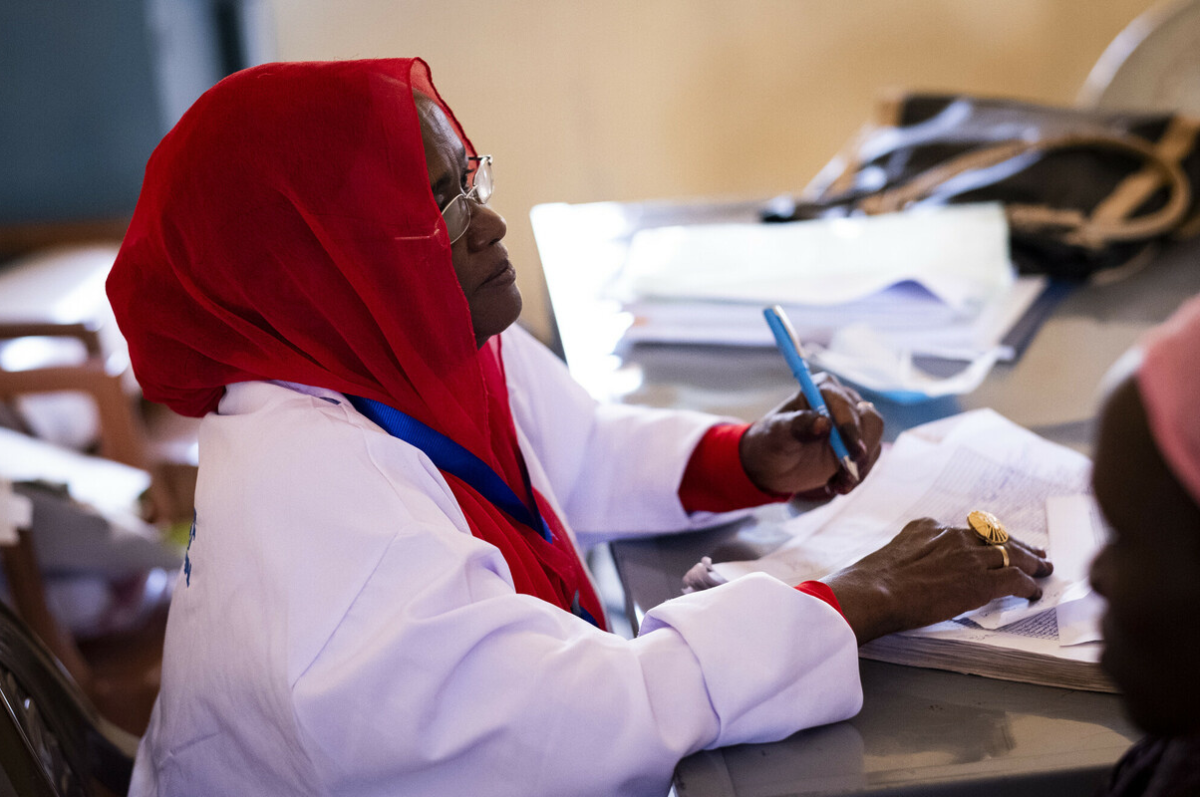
<point x="865" y="294"/>
<point x="978" y="460"/>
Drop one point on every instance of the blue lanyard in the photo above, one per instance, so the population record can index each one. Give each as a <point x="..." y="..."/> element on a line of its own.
<point x="450" y="456"/>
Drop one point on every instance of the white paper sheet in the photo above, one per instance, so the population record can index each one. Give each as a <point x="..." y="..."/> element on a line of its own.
<point x="960" y="253"/>
<point x="860" y="355"/>
<point x="16" y="512"/>
<point x="1078" y="531"/>
<point x="1078" y="614"/>
<point x="110" y="488"/>
<point x="853" y="525"/>
<point x="945" y="470"/>
<point x="906" y="316"/>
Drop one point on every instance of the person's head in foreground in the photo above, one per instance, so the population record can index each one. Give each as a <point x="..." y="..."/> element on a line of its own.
<point x="1147" y="481"/>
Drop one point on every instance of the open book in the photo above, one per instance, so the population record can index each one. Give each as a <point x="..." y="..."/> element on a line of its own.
<point x="944" y="470"/>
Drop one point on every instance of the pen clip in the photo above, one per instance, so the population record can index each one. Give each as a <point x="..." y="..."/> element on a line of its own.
<point x="787" y="326"/>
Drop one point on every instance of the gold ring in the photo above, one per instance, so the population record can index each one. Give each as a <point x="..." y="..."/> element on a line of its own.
<point x="1004" y="552"/>
<point x="987" y="527"/>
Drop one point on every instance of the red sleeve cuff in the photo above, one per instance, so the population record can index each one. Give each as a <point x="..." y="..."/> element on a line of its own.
<point x="821" y="592"/>
<point x="715" y="479"/>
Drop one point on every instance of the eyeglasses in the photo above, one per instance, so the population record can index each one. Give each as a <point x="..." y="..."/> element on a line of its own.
<point x="457" y="213"/>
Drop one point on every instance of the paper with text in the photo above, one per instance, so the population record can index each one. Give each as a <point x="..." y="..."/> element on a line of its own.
<point x="944" y="471"/>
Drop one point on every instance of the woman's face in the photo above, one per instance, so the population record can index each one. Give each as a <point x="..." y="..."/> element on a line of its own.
<point x="480" y="258"/>
<point x="1149" y="572"/>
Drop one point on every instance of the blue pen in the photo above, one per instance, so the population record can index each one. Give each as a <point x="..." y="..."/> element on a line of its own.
<point x="793" y="354"/>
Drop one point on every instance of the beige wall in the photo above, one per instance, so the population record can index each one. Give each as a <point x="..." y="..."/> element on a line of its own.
<point x="636" y="99"/>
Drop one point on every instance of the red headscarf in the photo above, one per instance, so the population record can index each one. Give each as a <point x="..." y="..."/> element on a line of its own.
<point x="286" y="230"/>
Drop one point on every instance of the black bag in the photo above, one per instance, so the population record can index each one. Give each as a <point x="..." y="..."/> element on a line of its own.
<point x="1083" y="190"/>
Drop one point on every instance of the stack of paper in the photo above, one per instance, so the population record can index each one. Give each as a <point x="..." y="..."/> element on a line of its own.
<point x="935" y="282"/>
<point x="945" y="470"/>
<point x="908" y="315"/>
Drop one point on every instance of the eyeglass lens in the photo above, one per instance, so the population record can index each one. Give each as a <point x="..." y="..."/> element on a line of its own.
<point x="482" y="180"/>
<point x="458" y="213"/>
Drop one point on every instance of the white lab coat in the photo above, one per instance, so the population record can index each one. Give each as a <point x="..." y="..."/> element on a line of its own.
<point x="338" y="630"/>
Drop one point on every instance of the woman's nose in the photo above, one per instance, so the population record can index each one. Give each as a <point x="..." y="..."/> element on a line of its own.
<point x="487" y="227"/>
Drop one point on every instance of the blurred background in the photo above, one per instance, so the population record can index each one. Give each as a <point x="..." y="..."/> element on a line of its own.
<point x="582" y="101"/>
<point x="578" y="102"/>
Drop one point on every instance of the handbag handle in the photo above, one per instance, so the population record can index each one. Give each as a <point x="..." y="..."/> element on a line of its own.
<point x="1080" y="229"/>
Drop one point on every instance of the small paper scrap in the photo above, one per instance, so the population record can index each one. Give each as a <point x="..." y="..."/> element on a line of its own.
<point x="16" y="512"/>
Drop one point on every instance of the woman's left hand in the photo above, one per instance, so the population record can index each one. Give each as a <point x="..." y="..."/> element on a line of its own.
<point x="788" y="450"/>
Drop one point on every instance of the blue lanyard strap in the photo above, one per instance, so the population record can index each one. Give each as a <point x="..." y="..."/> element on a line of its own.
<point x="450" y="456"/>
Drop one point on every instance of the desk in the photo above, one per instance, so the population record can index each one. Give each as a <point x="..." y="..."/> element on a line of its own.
<point x="920" y="731"/>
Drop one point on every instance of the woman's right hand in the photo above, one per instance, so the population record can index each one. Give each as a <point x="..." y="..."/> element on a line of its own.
<point x="930" y="573"/>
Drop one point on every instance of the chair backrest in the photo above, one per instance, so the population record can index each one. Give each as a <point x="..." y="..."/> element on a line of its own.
<point x="1152" y="65"/>
<point x="52" y="741"/>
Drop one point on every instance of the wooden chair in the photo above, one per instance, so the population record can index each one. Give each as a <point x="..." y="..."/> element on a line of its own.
<point x="58" y="295"/>
<point x="69" y="514"/>
<point x="52" y="740"/>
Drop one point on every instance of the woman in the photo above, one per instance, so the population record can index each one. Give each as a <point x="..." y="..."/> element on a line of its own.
<point x="383" y="592"/>
<point x="1147" y="481"/>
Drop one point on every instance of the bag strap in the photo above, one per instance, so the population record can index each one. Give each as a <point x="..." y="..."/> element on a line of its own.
<point x="1176" y="142"/>
<point x="888" y="111"/>
<point x="1080" y="229"/>
<point x="450" y="456"/>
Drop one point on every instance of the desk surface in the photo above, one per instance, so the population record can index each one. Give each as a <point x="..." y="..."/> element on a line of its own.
<point x="922" y="731"/>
